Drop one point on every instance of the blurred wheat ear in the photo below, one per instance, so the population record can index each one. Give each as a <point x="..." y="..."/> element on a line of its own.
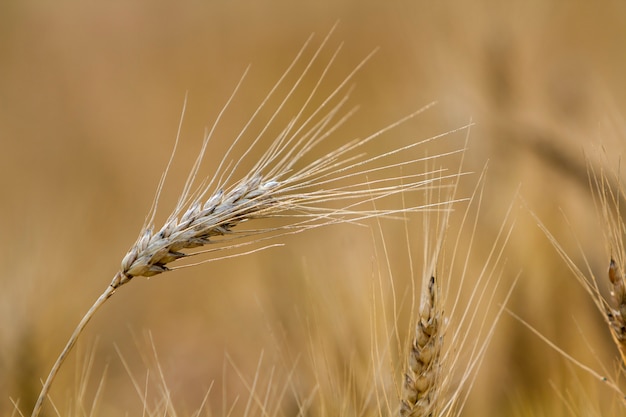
<point x="335" y="187"/>
<point x="608" y="201"/>
<point x="423" y="366"/>
<point x="617" y="314"/>
<point x="452" y="327"/>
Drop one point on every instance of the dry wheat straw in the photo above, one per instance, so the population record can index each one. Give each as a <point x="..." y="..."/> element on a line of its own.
<point x="334" y="187"/>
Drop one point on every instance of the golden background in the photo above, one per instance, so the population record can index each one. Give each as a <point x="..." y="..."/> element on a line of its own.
<point x="90" y="99"/>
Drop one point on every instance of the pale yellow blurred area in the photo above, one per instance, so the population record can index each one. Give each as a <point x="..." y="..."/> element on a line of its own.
<point x="91" y="95"/>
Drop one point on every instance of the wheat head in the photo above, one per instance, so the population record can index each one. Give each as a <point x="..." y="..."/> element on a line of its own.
<point x="458" y="310"/>
<point x="422" y="370"/>
<point x="279" y="186"/>
<point x="617" y="313"/>
<point x="607" y="199"/>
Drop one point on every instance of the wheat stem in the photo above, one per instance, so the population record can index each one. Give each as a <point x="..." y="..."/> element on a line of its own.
<point x="72" y="341"/>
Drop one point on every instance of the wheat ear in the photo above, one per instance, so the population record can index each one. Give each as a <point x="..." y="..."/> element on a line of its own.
<point x="438" y="377"/>
<point x="280" y="185"/>
<point x="617" y="313"/>
<point x="615" y="309"/>
<point x="607" y="203"/>
<point x="422" y="368"/>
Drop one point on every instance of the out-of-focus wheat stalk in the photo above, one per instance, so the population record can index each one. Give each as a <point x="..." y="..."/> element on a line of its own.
<point x="333" y="187"/>
<point x="607" y="201"/>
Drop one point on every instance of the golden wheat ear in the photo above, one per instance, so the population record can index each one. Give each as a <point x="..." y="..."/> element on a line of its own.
<point x="613" y="316"/>
<point x="293" y="182"/>
<point x="616" y="314"/>
<point x="458" y="305"/>
<point x="423" y="365"/>
<point x="608" y="199"/>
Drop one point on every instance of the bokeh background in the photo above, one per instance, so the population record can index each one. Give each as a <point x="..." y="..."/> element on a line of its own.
<point x="90" y="99"/>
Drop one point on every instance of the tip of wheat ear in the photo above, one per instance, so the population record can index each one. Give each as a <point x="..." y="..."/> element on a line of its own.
<point x="420" y="379"/>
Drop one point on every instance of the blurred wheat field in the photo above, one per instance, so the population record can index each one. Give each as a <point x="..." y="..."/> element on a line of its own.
<point x="90" y="99"/>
